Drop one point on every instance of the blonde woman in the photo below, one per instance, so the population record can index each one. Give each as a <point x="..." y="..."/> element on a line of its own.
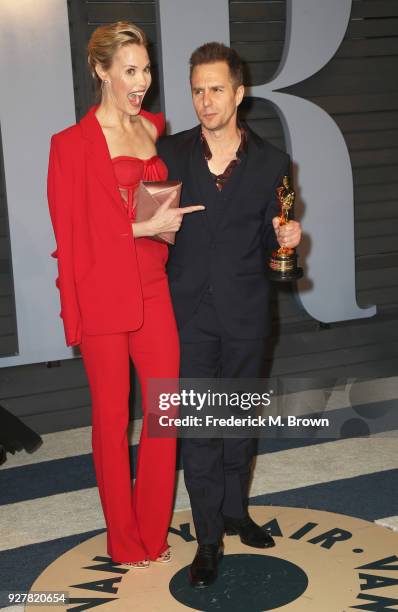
<point x="115" y="300"/>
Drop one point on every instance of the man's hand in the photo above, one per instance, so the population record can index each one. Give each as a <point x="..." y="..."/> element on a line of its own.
<point x="289" y="234"/>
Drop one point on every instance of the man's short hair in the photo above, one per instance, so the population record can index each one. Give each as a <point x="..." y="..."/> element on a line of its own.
<point x="212" y="52"/>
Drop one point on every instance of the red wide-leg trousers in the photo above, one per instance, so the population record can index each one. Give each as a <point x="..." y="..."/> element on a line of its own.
<point x="137" y="518"/>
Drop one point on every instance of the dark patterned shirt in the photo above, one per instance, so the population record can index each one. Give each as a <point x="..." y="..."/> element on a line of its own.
<point x="221" y="179"/>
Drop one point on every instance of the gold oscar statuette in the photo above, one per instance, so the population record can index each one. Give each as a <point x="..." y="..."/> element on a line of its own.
<point x="283" y="262"/>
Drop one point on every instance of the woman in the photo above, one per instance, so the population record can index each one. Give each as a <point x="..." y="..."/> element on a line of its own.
<point x="115" y="299"/>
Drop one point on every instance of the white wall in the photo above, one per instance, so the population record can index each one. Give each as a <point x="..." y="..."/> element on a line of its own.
<point x="36" y="101"/>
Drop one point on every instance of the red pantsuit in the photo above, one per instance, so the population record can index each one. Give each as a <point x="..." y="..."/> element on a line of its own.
<point x="137" y="522"/>
<point x="116" y="304"/>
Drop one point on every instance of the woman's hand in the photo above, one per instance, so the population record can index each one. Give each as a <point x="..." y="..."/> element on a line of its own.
<point x="165" y="219"/>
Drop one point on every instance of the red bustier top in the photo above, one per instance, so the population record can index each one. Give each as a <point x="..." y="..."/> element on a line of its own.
<point x="129" y="171"/>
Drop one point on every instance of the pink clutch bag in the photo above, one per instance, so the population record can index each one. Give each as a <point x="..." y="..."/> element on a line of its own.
<point x="149" y="195"/>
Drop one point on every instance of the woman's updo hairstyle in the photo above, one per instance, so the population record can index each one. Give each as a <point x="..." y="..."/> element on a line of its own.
<point x="105" y="42"/>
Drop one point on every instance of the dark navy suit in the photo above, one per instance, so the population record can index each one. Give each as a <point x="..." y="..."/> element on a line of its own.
<point x="220" y="293"/>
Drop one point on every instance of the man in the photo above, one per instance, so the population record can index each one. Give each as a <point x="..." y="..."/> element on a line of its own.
<point x="219" y="287"/>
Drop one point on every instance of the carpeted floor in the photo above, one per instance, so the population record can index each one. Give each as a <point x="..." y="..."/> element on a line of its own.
<point x="49" y="500"/>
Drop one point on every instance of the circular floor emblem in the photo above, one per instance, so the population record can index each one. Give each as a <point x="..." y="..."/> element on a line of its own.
<point x="322" y="562"/>
<point x="248" y="582"/>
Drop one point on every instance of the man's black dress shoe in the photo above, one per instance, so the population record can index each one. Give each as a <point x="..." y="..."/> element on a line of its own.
<point x="203" y="570"/>
<point x="249" y="533"/>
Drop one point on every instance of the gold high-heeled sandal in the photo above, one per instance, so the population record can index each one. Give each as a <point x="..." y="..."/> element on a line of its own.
<point x="164" y="557"/>
<point x="138" y="564"/>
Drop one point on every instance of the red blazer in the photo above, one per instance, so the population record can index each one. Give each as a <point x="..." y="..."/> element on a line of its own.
<point x="98" y="274"/>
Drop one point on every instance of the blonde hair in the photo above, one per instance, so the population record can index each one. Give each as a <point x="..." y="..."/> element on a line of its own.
<point x="105" y="42"/>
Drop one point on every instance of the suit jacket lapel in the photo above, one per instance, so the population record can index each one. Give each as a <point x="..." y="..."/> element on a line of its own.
<point x="98" y="153"/>
<point x="231" y="191"/>
<point x="201" y="180"/>
<point x="237" y="188"/>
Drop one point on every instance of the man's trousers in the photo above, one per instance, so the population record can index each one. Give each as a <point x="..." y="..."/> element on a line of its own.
<point x="217" y="470"/>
